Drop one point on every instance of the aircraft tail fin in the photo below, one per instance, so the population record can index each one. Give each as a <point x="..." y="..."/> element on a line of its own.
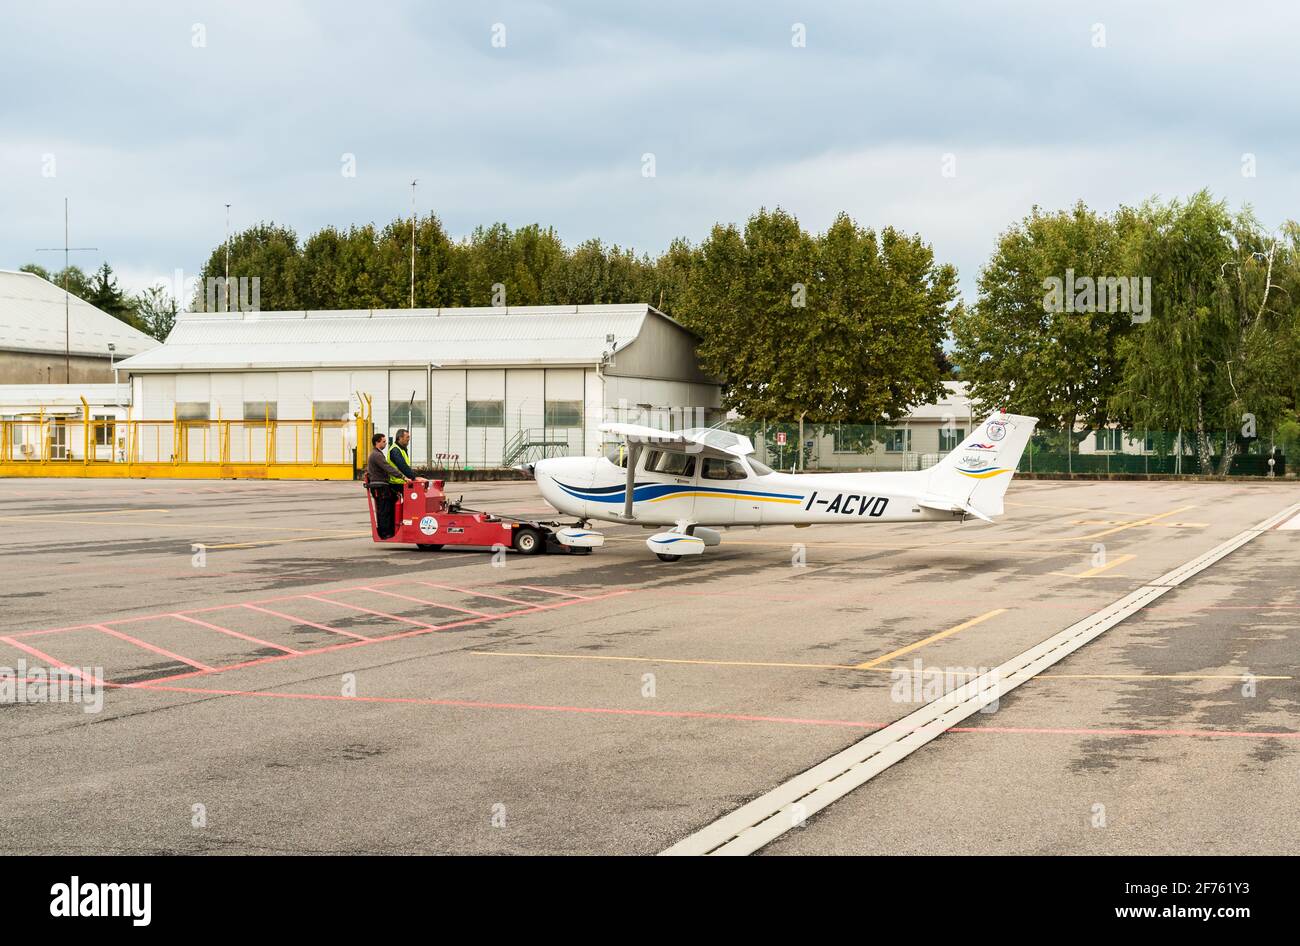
<point x="975" y="476"/>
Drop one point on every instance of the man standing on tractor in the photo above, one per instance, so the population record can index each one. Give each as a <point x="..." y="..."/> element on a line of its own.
<point x="380" y="477"/>
<point x="398" y="456"/>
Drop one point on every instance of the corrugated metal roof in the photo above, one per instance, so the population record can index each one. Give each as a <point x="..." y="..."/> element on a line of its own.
<point x="505" y="335"/>
<point x="32" y="319"/>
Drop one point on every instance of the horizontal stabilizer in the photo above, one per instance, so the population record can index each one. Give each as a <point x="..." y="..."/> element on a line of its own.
<point x="951" y="505"/>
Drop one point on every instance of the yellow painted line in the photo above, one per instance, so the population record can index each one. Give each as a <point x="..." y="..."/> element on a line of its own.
<point x="1093" y="572"/>
<point x="102" y="512"/>
<point x="808" y="666"/>
<point x="301" y="538"/>
<point x="931" y="639"/>
<point x="1140" y="522"/>
<point x="224" y="526"/>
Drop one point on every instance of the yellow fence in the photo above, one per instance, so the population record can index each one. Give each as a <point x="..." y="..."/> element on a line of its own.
<point x="184" y="449"/>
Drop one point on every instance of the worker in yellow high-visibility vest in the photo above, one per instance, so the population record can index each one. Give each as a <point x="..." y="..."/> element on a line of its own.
<point x="399" y="458"/>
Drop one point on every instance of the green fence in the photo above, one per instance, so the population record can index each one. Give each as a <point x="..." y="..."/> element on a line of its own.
<point x="916" y="445"/>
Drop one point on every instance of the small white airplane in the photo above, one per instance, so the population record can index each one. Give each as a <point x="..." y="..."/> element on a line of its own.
<point x="701" y="477"/>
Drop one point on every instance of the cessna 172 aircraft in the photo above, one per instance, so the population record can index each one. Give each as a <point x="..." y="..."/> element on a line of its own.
<point x="701" y="477"/>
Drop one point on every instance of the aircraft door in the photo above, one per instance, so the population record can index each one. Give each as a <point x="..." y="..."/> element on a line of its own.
<point x="671" y="476"/>
<point x="721" y="493"/>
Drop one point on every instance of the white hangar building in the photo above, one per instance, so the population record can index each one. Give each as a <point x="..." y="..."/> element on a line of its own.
<point x="476" y="386"/>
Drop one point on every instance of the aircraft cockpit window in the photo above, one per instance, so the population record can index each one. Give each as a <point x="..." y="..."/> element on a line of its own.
<point x="760" y="469"/>
<point x="672" y="464"/>
<point x="719" y="469"/>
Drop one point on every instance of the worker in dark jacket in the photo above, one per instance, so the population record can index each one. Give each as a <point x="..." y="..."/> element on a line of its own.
<point x="398" y="456"/>
<point x="381" y="475"/>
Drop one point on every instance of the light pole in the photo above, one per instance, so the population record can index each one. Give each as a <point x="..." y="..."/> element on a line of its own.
<point x="413" y="183"/>
<point x="112" y="352"/>
<point x="226" y="284"/>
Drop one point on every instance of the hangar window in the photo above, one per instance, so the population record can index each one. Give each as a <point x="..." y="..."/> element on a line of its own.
<point x="563" y="413"/>
<point x="408" y="414"/>
<point x="485" y="414"/>
<point x="191" y="410"/>
<point x="330" y="410"/>
<point x="261" y="410"/>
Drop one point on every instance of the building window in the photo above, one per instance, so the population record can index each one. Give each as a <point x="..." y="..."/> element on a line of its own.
<point x="898" y="440"/>
<point x="950" y="438"/>
<point x="261" y="410"/>
<point x="849" y="438"/>
<point x="105" y="429"/>
<point x="1108" y="440"/>
<point x="485" y="414"/>
<point x="191" y="410"/>
<point x="331" y="410"/>
<point x="563" y="413"/>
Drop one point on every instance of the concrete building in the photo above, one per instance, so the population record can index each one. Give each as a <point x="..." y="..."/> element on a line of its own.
<point x="477" y="387"/>
<point x="36" y="349"/>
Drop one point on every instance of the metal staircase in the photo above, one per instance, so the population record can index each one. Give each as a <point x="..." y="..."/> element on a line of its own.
<point x="531" y="444"/>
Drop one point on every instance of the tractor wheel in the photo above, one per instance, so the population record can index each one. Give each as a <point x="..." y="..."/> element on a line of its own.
<point x="665" y="557"/>
<point x="428" y="548"/>
<point x="528" y="541"/>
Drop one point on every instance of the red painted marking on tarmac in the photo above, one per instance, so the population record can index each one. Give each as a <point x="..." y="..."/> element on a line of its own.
<point x="52" y="661"/>
<point x="432" y="604"/>
<point x="147" y="646"/>
<point x="232" y="633"/>
<point x="552" y="591"/>
<point x="360" y="641"/>
<point x="476" y="594"/>
<point x="1071" y="731"/>
<point x="296" y="620"/>
<point x="382" y="614"/>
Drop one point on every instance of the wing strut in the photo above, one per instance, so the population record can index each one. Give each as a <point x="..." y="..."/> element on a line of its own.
<point x="633" y="454"/>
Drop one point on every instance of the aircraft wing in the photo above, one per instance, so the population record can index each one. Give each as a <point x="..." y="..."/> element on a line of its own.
<point x="706" y="440"/>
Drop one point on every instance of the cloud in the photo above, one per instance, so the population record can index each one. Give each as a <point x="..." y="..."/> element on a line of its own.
<point x="153" y="134"/>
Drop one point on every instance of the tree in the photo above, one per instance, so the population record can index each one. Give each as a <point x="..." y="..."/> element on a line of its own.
<point x="156" y="310"/>
<point x="104" y="293"/>
<point x="1024" y="347"/>
<point x="1214" y="355"/>
<point x="843" y="326"/>
<point x="265" y="252"/>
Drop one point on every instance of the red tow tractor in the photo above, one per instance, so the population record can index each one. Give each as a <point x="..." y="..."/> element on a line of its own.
<point x="424" y="518"/>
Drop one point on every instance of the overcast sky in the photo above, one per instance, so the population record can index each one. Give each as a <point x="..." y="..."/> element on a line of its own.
<point x="152" y="116"/>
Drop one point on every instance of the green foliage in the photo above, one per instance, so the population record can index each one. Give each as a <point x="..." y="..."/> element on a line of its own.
<point x="845" y="325"/>
<point x="1056" y="365"/>
<point x="1218" y="351"/>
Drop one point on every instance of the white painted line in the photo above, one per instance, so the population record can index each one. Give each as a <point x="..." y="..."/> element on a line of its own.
<point x="767" y="817"/>
<point x="1292" y="523"/>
